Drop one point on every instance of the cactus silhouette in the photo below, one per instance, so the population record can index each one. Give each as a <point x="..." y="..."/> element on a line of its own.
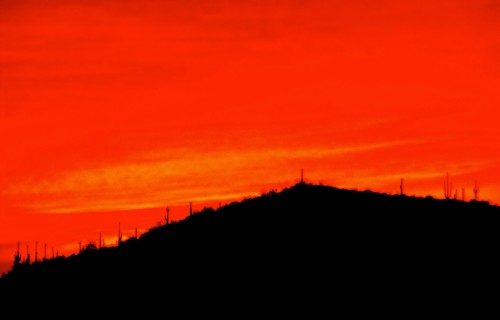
<point x="17" y="257"/>
<point x="447" y="187"/>
<point x="476" y="190"/>
<point x="119" y="234"/>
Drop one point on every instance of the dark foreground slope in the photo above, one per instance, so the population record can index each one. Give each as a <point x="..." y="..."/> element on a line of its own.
<point x="292" y="244"/>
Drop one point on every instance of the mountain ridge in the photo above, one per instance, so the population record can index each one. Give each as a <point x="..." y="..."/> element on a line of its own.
<point x="306" y="231"/>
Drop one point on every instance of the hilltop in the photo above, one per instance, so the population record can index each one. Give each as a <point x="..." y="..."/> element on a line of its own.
<point x="306" y="236"/>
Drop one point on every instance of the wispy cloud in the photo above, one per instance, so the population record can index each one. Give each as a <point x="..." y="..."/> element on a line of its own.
<point x="172" y="176"/>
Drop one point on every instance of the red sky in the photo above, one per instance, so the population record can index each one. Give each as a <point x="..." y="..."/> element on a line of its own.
<point x="112" y="110"/>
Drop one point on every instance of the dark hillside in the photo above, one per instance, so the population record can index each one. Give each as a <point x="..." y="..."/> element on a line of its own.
<point x="294" y="242"/>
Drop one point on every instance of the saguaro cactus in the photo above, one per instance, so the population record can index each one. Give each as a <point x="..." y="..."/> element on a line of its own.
<point x="401" y="187"/>
<point x="447" y="187"/>
<point x="17" y="256"/>
<point x="476" y="190"/>
<point x="119" y="234"/>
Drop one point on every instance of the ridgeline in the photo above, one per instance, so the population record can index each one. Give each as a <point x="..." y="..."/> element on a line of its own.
<point x="306" y="236"/>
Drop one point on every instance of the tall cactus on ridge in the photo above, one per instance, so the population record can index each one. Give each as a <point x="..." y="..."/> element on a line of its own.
<point x="119" y="234"/>
<point x="17" y="256"/>
<point x="476" y="190"/>
<point x="447" y="187"/>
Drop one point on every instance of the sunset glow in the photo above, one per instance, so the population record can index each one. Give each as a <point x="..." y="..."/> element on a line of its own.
<point x="112" y="110"/>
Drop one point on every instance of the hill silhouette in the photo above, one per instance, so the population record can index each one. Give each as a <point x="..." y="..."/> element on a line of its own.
<point x="294" y="243"/>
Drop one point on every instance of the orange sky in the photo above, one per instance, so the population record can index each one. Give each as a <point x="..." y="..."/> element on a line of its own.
<point x="111" y="110"/>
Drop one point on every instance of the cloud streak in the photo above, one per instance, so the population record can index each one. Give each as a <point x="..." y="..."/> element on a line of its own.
<point x="175" y="176"/>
